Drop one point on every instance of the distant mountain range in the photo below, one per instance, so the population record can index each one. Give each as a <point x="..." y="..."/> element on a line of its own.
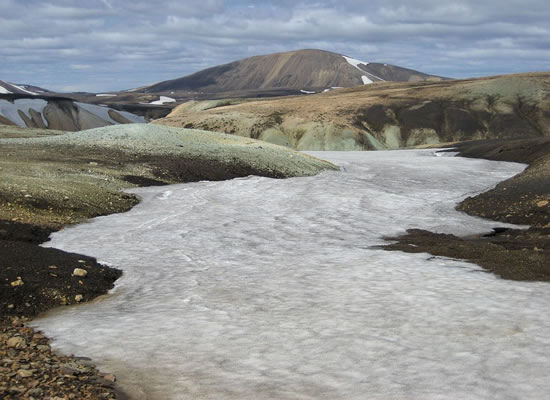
<point x="298" y="72"/>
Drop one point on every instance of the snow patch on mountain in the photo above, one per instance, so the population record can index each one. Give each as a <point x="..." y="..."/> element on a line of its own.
<point x="366" y="80"/>
<point x="355" y="63"/>
<point x="3" y="90"/>
<point x="306" y="91"/>
<point x="163" y="99"/>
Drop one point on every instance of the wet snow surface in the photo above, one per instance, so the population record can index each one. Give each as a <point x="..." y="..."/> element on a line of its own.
<point x="269" y="289"/>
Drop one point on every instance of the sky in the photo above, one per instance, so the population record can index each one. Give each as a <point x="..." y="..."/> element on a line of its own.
<point x="102" y="45"/>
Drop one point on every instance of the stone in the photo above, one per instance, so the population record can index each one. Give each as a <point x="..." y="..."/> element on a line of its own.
<point x="43" y="347"/>
<point x="17" y="282"/>
<point x="542" y="203"/>
<point x="17" y="342"/>
<point x="24" y="373"/>
<point x="80" y="272"/>
<point x="35" y="392"/>
<point x="78" y="298"/>
<point x="109" y="377"/>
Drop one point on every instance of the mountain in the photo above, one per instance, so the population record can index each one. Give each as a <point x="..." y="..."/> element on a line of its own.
<point x="12" y="88"/>
<point x="385" y="115"/>
<point x="295" y="71"/>
<point x="58" y="113"/>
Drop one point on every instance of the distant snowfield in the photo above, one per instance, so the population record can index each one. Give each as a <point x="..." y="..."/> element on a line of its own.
<point x="261" y="288"/>
<point x="105" y="95"/>
<point x="162" y="100"/>
<point x="3" y="90"/>
<point x="11" y="110"/>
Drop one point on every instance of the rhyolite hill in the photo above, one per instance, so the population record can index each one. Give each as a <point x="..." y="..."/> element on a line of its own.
<point x="384" y="115"/>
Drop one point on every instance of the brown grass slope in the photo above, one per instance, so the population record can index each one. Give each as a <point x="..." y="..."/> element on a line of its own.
<point x="385" y="115"/>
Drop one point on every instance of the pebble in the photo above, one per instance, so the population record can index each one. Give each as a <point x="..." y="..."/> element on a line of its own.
<point x="80" y="272"/>
<point x="17" y="342"/>
<point x="30" y="370"/>
<point x="24" y="373"/>
<point x="17" y="282"/>
<point x="78" y="298"/>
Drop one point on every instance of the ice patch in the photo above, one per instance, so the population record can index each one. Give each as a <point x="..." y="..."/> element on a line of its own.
<point x="270" y="289"/>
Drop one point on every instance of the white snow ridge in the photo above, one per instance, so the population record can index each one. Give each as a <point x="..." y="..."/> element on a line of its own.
<point x="260" y="288"/>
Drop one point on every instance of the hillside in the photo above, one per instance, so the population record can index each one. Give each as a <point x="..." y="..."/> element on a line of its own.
<point x="59" y="113"/>
<point x="307" y="70"/>
<point x="386" y="115"/>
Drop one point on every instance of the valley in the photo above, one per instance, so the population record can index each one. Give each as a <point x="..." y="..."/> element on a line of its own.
<point x="250" y="219"/>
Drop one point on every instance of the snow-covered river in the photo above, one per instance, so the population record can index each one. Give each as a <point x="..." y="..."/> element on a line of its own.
<point x="270" y="289"/>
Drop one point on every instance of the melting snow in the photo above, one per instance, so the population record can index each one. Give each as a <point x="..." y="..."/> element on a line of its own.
<point x="261" y="288"/>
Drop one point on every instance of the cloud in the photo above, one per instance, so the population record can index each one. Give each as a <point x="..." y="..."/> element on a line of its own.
<point x="130" y="43"/>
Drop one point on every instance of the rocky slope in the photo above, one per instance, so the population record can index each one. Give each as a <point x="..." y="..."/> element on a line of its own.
<point x="385" y="115"/>
<point x="59" y="113"/>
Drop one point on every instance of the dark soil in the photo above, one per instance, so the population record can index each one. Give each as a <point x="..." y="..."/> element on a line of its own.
<point x="523" y="199"/>
<point x="45" y="273"/>
<point x="513" y="254"/>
